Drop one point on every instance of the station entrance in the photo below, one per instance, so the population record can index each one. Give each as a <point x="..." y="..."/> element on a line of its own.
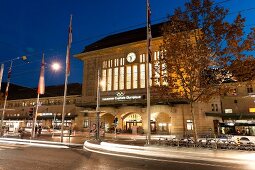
<point x="132" y="121"/>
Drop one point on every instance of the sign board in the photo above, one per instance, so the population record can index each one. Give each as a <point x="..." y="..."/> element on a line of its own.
<point x="120" y="96"/>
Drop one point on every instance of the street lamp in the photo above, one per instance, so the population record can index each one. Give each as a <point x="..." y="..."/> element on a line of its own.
<point x="55" y="66"/>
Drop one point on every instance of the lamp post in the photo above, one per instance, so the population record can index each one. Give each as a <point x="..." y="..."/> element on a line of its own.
<point x="55" y="66"/>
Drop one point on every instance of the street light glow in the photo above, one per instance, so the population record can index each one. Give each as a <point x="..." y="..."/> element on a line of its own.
<point x="55" y="66"/>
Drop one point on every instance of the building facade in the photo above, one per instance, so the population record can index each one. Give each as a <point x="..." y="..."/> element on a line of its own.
<point x="20" y="112"/>
<point x="120" y="60"/>
<point x="238" y="109"/>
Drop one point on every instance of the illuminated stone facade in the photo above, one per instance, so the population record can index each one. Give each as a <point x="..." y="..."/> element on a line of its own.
<point x="19" y="113"/>
<point x="120" y="60"/>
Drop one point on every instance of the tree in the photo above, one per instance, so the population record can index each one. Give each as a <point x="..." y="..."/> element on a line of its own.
<point x="243" y="70"/>
<point x="198" y="45"/>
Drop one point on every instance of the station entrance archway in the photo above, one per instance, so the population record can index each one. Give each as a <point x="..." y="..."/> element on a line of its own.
<point x="132" y="120"/>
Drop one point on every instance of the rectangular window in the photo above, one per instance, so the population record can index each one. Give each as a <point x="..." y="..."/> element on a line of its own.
<point x="157" y="73"/>
<point x="228" y="111"/>
<point x="142" y="76"/>
<point x="142" y="58"/>
<point x="189" y="125"/>
<point x="109" y="79"/>
<point x="103" y="80"/>
<point x="156" y="55"/>
<point x="104" y="64"/>
<point x="135" y="76"/>
<point x="116" y="78"/>
<point x="213" y="107"/>
<point x="116" y="62"/>
<point x="122" y="61"/>
<point x="128" y="78"/>
<point x="109" y="63"/>
<point x="86" y="124"/>
<point x="216" y="107"/>
<point x="162" y="126"/>
<point x="121" y="78"/>
<point x="249" y="88"/>
<point x="164" y="74"/>
<point x="252" y="110"/>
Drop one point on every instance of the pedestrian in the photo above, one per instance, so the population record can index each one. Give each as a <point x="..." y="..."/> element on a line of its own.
<point x="21" y="132"/>
<point x="39" y="130"/>
<point x="36" y="129"/>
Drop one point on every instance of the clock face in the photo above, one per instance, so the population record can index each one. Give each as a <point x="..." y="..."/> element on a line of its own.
<point x="131" y="57"/>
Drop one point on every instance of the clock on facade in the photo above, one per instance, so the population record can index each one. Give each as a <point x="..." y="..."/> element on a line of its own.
<point x="131" y="57"/>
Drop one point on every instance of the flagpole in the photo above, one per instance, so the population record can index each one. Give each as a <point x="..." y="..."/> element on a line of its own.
<point x="67" y="73"/>
<point x="1" y="74"/>
<point x="148" y="73"/>
<point x="35" y="119"/>
<point x="63" y="110"/>
<point x="40" y="90"/>
<point x="6" y="95"/>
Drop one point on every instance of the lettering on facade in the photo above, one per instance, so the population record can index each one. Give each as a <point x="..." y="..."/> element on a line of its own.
<point x="121" y="98"/>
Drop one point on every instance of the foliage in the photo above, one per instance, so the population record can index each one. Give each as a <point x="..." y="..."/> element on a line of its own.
<point x="198" y="46"/>
<point x="243" y="70"/>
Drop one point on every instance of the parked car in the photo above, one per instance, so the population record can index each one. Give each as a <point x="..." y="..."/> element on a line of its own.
<point x="245" y="141"/>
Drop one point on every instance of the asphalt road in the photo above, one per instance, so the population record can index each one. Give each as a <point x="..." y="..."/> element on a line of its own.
<point x="19" y="157"/>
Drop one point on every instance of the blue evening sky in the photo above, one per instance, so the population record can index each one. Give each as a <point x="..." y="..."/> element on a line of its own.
<point x="31" y="27"/>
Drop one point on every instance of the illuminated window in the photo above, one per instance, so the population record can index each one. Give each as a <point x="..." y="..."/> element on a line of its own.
<point x="109" y="63"/>
<point x="116" y="76"/>
<point x="142" y="76"/>
<point x="228" y="111"/>
<point x="128" y="80"/>
<point x="135" y="78"/>
<point x="121" y="78"/>
<point x="156" y="55"/>
<point x="86" y="123"/>
<point x="104" y="80"/>
<point x="157" y="73"/>
<point x="162" y="126"/>
<point x="122" y="61"/>
<point x="142" y="58"/>
<point x="189" y="125"/>
<point x="252" y="110"/>
<point x="109" y="79"/>
<point x="116" y="62"/>
<point x="164" y="74"/>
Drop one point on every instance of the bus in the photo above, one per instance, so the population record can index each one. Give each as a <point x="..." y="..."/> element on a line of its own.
<point x="238" y="130"/>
